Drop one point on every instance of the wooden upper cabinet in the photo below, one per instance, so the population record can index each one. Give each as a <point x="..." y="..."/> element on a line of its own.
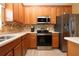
<point x="27" y="15"/>
<point x="33" y="15"/>
<point x="32" y="12"/>
<point x="20" y="13"/>
<point x="64" y="10"/>
<point x="15" y="12"/>
<point x="59" y="11"/>
<point x="44" y="11"/>
<point x="67" y="10"/>
<point x="53" y="15"/>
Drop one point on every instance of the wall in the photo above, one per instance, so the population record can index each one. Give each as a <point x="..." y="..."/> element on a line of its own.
<point x="75" y="8"/>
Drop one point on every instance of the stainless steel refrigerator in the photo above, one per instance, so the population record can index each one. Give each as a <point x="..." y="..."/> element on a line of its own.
<point x="62" y="26"/>
<point x="74" y="25"/>
<point x="67" y="25"/>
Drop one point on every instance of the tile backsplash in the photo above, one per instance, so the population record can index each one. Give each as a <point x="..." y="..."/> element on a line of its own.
<point x="16" y="27"/>
<point x="40" y="27"/>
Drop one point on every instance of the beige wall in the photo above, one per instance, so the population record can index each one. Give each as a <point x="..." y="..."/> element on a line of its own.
<point x="75" y="8"/>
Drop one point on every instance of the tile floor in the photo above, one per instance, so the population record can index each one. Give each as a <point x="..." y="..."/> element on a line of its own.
<point x="52" y="52"/>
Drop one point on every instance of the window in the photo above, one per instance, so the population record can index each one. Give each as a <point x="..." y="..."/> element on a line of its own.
<point x="9" y="15"/>
<point x="9" y="12"/>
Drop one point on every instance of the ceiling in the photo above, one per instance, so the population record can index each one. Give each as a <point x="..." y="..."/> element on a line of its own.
<point x="47" y="4"/>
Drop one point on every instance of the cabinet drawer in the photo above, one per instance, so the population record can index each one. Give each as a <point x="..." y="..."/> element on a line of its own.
<point x="55" y="34"/>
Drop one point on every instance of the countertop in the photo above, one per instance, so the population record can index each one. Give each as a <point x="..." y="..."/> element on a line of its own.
<point x="72" y="39"/>
<point x="15" y="36"/>
<point x="55" y="32"/>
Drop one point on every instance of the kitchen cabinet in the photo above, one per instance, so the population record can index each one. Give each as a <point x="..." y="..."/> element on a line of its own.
<point x="67" y="10"/>
<point x="18" y="12"/>
<point x="23" y="48"/>
<point x="33" y="12"/>
<point x="33" y="15"/>
<point x="6" y="49"/>
<point x="27" y="15"/>
<point x="44" y="11"/>
<point x="32" y="38"/>
<point x="10" y="53"/>
<point x="59" y="11"/>
<point x="73" y="49"/>
<point x="15" y="12"/>
<point x="21" y="13"/>
<point x="55" y="40"/>
<point x="18" y="50"/>
<point x="24" y="44"/>
<point x="53" y="15"/>
<point x="30" y="17"/>
<point x="64" y="10"/>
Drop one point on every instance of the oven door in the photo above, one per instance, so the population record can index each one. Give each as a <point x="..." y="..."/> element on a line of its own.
<point x="44" y="41"/>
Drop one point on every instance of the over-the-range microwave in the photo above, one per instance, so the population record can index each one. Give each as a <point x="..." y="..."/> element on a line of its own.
<point x="43" y="20"/>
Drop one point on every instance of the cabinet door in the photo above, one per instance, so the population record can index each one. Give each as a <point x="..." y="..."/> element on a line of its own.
<point x="27" y="15"/>
<point x="55" y="40"/>
<point x="27" y="44"/>
<point x="32" y="40"/>
<point x="23" y="45"/>
<point x="21" y="13"/>
<point x="59" y="11"/>
<point x="10" y="53"/>
<point x="15" y="12"/>
<point x="53" y="15"/>
<point x="67" y="10"/>
<point x="33" y="15"/>
<point x="44" y="11"/>
<point x="17" y="50"/>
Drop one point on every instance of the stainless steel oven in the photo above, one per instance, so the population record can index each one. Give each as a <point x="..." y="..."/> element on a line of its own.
<point x="44" y="40"/>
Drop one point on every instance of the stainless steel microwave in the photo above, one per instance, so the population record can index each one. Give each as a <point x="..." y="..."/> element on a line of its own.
<point x="43" y="20"/>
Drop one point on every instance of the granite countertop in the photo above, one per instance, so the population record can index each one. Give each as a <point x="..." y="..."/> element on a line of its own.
<point x="15" y="36"/>
<point x="72" y="39"/>
<point x="55" y="32"/>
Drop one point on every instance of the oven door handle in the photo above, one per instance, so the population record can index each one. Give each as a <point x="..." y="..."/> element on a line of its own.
<point x="44" y="35"/>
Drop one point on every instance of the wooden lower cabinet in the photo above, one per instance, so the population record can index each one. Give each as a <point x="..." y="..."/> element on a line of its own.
<point x="32" y="40"/>
<point x="6" y="49"/>
<point x="24" y="45"/>
<point x="17" y="50"/>
<point x="19" y="46"/>
<point x="27" y="44"/>
<point x="73" y="49"/>
<point x="10" y="53"/>
<point x="23" y="48"/>
<point x="55" y="40"/>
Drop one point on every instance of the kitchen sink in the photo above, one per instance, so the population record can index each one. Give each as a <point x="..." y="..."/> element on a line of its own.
<point x="3" y="38"/>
